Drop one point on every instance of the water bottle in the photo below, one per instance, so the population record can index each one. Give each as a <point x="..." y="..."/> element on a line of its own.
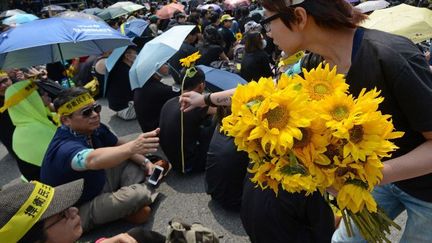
<point x="65" y="83"/>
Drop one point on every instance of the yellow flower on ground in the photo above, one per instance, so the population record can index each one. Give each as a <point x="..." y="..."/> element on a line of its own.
<point x="189" y="60"/>
<point x="279" y="119"/>
<point x="355" y="197"/>
<point x="321" y="82"/>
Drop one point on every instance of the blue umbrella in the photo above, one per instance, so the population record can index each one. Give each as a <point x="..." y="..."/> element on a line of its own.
<point x="29" y="44"/>
<point x="19" y="19"/>
<point x="134" y="28"/>
<point x="92" y="11"/>
<point x="157" y="52"/>
<point x="218" y="80"/>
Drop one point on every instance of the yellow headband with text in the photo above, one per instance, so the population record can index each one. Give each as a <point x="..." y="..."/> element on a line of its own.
<point x="75" y="104"/>
<point x="19" y="96"/>
<point x="28" y="214"/>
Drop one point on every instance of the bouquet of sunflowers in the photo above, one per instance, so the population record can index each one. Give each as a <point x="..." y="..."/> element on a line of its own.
<point x="306" y="134"/>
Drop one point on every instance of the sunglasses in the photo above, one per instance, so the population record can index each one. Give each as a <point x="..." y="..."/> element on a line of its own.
<point x="87" y="112"/>
<point x="62" y="216"/>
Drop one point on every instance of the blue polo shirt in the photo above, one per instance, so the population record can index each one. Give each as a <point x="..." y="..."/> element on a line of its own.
<point x="56" y="167"/>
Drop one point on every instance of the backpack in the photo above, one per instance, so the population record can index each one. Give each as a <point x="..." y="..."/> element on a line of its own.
<point x="179" y="232"/>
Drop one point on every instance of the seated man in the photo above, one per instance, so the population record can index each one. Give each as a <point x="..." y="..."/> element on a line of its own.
<point x="82" y="147"/>
<point x="119" y="92"/>
<point x="50" y="216"/>
<point x="197" y="130"/>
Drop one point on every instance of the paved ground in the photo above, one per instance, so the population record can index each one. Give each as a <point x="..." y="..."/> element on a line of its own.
<point x="180" y="196"/>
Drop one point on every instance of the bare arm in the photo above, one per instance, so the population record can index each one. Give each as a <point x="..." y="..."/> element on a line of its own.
<point x="103" y="158"/>
<point x="192" y="99"/>
<point x="416" y="163"/>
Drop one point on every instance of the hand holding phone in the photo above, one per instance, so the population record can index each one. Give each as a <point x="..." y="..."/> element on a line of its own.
<point x="156" y="175"/>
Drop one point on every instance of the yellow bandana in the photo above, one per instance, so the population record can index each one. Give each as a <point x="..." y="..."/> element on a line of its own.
<point x="75" y="104"/>
<point x="28" y="214"/>
<point x="19" y="96"/>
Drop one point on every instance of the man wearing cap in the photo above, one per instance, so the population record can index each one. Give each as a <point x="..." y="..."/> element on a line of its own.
<point x="82" y="147"/>
<point x="227" y="35"/>
<point x="35" y="212"/>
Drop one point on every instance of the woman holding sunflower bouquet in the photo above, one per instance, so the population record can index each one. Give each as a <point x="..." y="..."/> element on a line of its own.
<point x="399" y="85"/>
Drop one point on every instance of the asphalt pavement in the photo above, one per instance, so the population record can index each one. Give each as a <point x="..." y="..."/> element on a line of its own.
<point x="181" y="196"/>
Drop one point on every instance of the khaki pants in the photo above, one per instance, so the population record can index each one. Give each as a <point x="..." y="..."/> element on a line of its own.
<point x="124" y="193"/>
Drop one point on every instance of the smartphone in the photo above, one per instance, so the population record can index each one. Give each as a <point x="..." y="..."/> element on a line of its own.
<point x="156" y="175"/>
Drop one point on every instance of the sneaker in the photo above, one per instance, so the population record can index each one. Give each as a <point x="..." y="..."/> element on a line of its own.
<point x="139" y="217"/>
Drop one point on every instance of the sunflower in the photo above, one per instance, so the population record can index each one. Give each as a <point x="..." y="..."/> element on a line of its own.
<point x="371" y="172"/>
<point x="279" y="119"/>
<point x="354" y="196"/>
<point x="252" y="94"/>
<point x="238" y="36"/>
<point x="321" y="82"/>
<point x="189" y="60"/>
<point x="261" y="176"/>
<point x="289" y="82"/>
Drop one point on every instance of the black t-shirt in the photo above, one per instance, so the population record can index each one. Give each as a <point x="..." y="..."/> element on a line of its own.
<point x="225" y="171"/>
<point x="394" y="65"/>
<point x="170" y="133"/>
<point x="148" y="102"/>
<point x="228" y="38"/>
<point x="255" y="65"/>
<point x="119" y="91"/>
<point x="288" y="217"/>
<point x="186" y="49"/>
<point x="209" y="54"/>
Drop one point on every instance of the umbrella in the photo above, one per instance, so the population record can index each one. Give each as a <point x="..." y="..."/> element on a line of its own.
<point x="53" y="8"/>
<point x="232" y="4"/>
<point x="370" y="6"/>
<point x="29" y="44"/>
<point x="167" y="11"/>
<point x="78" y="15"/>
<point x="211" y="5"/>
<point x="128" y="6"/>
<point x="134" y="28"/>
<point x="111" y="13"/>
<point x="11" y="12"/>
<point x="412" y="22"/>
<point x="218" y="80"/>
<point x="157" y="52"/>
<point x="19" y="19"/>
<point x="92" y="11"/>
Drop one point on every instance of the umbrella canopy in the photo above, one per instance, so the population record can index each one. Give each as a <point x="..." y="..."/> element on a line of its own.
<point x="211" y="5"/>
<point x="128" y="6"/>
<point x="93" y="11"/>
<point x="11" y="12"/>
<point x="157" y="52"/>
<point x="29" y="45"/>
<point x="111" y="13"/>
<point x="78" y="15"/>
<point x="19" y="19"/>
<point x="218" y="80"/>
<point x="134" y="28"/>
<point x="370" y="6"/>
<point x="412" y="22"/>
<point x="53" y="8"/>
<point x="167" y="11"/>
<point x="232" y="4"/>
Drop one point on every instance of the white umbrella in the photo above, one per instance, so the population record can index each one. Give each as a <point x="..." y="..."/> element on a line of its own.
<point x="11" y="12"/>
<point x="370" y="6"/>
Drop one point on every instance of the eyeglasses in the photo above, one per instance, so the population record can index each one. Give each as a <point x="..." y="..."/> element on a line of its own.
<point x="62" y="216"/>
<point x="87" y="112"/>
<point x="266" y="22"/>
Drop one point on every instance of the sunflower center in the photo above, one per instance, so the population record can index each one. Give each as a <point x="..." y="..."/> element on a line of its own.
<point x="356" y="134"/>
<point x="306" y="138"/>
<point x="339" y="112"/>
<point x="321" y="89"/>
<point x="277" y="117"/>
